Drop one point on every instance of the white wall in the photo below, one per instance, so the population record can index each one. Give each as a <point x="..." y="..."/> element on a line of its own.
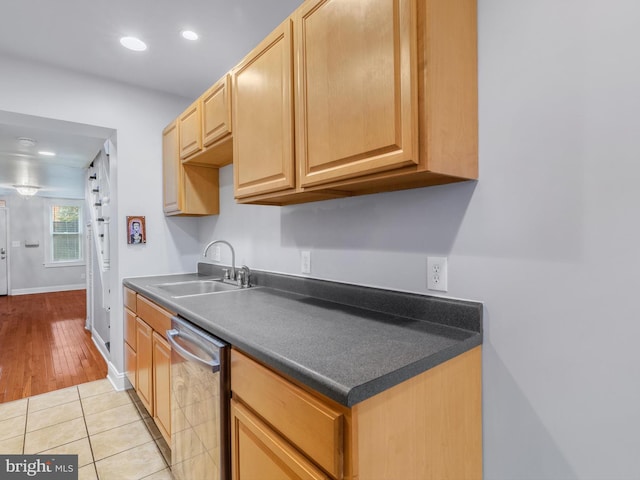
<point x="26" y="264"/>
<point x="138" y="116"/>
<point x="548" y="238"/>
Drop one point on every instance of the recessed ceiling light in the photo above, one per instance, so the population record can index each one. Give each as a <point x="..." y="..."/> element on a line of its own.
<point x="133" y="43"/>
<point x="47" y="153"/>
<point x="189" y="35"/>
<point x="26" y="141"/>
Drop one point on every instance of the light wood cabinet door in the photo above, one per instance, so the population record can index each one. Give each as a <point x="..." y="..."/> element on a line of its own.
<point x="216" y="149"/>
<point x="263" y="144"/>
<point x="171" y="170"/>
<point x="258" y="453"/>
<point x="190" y="131"/>
<point x="130" y="364"/>
<point x="216" y="112"/>
<point x="356" y="97"/>
<point x="144" y="366"/>
<point x="162" y="385"/>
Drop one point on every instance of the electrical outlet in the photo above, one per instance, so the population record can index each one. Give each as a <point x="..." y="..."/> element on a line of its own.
<point x="437" y="273"/>
<point x="216" y="253"/>
<point x="305" y="261"/>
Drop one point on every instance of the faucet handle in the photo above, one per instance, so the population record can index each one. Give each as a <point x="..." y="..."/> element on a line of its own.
<point x="227" y="275"/>
<point x="245" y="274"/>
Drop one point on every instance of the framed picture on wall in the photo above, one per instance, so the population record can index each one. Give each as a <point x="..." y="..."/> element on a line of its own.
<point x="136" y="232"/>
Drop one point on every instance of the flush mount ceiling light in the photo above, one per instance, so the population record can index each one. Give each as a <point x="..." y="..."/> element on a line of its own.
<point x="27" y="190"/>
<point x="46" y="153"/>
<point x="26" y="141"/>
<point x="133" y="43"/>
<point x="189" y="35"/>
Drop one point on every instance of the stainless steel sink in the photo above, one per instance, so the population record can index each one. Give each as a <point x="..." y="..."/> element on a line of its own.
<point x="195" y="287"/>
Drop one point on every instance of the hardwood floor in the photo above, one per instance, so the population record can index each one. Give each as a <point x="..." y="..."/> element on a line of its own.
<point x="44" y="345"/>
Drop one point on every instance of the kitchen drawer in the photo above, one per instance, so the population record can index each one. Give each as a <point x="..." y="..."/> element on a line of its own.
<point x="130" y="328"/>
<point x="306" y="421"/>
<point x="156" y="317"/>
<point x="130" y="299"/>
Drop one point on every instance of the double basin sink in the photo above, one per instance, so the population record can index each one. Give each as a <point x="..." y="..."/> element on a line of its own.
<point x="196" y="287"/>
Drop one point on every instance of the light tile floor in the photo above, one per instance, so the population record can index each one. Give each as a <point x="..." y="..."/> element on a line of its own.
<point x="112" y="435"/>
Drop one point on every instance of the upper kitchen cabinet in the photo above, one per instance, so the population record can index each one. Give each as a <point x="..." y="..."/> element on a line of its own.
<point x="216" y="112"/>
<point x="263" y="124"/>
<point x="263" y="144"/>
<point x="205" y="137"/>
<point x="190" y="131"/>
<point x="385" y="99"/>
<point x="171" y="171"/>
<point x="356" y="101"/>
<point x="187" y="189"/>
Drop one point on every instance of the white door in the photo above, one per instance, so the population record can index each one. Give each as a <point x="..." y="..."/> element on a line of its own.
<point x="4" y="279"/>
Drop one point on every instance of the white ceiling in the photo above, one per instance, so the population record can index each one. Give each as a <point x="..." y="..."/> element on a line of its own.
<point x="75" y="145"/>
<point x="83" y="36"/>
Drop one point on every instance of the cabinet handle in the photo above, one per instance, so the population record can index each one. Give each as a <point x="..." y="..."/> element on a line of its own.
<point x="184" y="353"/>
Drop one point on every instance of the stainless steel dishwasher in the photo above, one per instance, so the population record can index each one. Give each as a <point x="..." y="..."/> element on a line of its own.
<point x="199" y="403"/>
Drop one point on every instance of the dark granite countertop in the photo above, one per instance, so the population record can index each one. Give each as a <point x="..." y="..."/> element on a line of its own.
<point x="346" y="342"/>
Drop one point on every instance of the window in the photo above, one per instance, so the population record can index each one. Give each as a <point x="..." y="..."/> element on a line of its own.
<point x="64" y="239"/>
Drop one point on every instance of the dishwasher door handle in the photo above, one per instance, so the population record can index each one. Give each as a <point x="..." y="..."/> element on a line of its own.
<point x="171" y="334"/>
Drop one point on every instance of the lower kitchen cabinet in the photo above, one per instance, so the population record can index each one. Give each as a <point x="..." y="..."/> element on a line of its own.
<point x="428" y="427"/>
<point x="130" y="355"/>
<point x="130" y="364"/>
<point x="148" y="357"/>
<point x="162" y="384"/>
<point x="260" y="453"/>
<point x="144" y="364"/>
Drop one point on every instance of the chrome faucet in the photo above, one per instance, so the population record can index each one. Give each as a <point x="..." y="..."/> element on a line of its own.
<point x="232" y="276"/>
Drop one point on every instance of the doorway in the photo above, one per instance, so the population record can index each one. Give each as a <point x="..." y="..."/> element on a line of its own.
<point x="35" y="289"/>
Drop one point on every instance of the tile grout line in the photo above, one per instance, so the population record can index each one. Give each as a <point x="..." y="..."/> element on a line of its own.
<point x="84" y="419"/>
<point x="26" y="419"/>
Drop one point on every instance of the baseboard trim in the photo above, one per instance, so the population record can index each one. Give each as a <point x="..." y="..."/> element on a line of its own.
<point x="118" y="380"/>
<point x="57" y="288"/>
<point x="100" y="345"/>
